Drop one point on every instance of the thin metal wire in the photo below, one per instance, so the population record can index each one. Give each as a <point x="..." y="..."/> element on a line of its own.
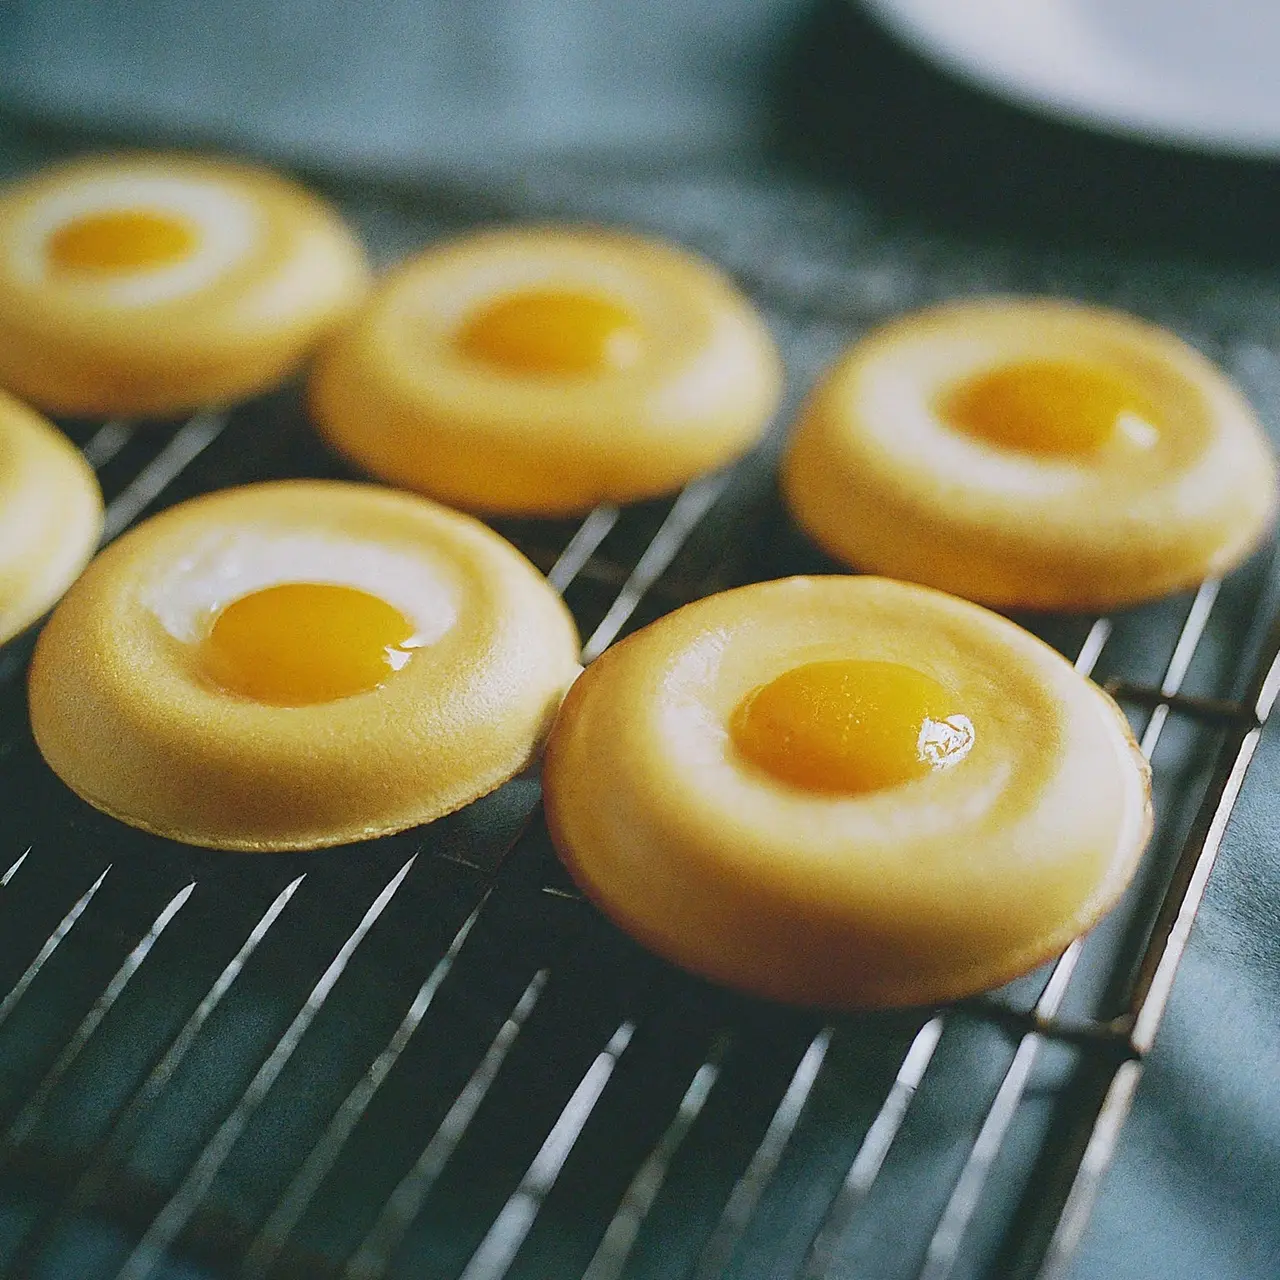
<point x="944" y="1246"/>
<point x="498" y="1250"/>
<point x="1208" y="710"/>
<point x="1184" y="652"/>
<point x="749" y="1189"/>
<point x="582" y="546"/>
<point x="31" y="1112"/>
<point x="106" y="442"/>
<point x="13" y="870"/>
<point x="177" y="1212"/>
<point x="1151" y="994"/>
<point x="98" y="1170"/>
<point x="620" y="1236"/>
<point x="187" y="444"/>
<point x="871" y="1155"/>
<point x="51" y="944"/>
<point x="373" y="1255"/>
<point x="324" y="1154"/>
<point x="686" y="514"/>
<point x="1066" y="1239"/>
<point x="1094" y="643"/>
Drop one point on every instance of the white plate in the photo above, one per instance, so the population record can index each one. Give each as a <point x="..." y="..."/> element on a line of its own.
<point x="1194" y="73"/>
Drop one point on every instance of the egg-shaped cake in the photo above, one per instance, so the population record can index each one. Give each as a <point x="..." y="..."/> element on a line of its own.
<point x="1031" y="453"/>
<point x="542" y="370"/>
<point x="299" y="664"/>
<point x="144" y="285"/>
<point x="50" y="515"/>
<point x="845" y="792"/>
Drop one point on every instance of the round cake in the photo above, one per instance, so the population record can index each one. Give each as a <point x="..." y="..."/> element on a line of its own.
<point x="144" y="285"/>
<point x="543" y="370"/>
<point x="299" y="664"/>
<point x="1031" y="453"/>
<point x="846" y="793"/>
<point x="50" y="515"/>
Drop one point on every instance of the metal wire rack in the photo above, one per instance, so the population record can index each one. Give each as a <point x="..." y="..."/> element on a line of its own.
<point x="428" y="1057"/>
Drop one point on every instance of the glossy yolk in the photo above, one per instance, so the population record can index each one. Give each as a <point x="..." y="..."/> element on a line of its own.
<point x="1047" y="406"/>
<point x="850" y="726"/>
<point x="306" y="642"/>
<point x="553" y="334"/>
<point x="121" y="240"/>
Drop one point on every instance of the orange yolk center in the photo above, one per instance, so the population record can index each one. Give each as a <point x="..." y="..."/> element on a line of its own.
<point x="1048" y="407"/>
<point x="548" y="333"/>
<point x="121" y="240"/>
<point x="306" y="642"/>
<point x="849" y="726"/>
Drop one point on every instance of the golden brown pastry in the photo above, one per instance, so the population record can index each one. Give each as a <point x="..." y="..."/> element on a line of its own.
<point x="299" y="664"/>
<point x="1031" y="453"/>
<point x="542" y="370"/>
<point x="50" y="515"/>
<point x="845" y="792"/>
<point x="148" y="285"/>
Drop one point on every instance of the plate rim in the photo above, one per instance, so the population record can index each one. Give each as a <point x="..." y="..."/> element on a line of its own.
<point x="909" y="21"/>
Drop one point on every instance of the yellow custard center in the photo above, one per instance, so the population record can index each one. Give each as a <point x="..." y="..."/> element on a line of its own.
<point x="849" y="726"/>
<point x="1049" y="407"/>
<point x="552" y="333"/>
<point x="305" y="642"/>
<point x="121" y="240"/>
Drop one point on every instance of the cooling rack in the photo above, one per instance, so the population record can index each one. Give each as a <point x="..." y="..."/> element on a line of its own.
<point x="427" y="1057"/>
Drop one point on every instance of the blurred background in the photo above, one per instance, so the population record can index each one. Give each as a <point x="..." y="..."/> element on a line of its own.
<point x="485" y="90"/>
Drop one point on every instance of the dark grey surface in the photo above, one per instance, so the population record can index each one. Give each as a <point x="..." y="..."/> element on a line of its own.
<point x="842" y="184"/>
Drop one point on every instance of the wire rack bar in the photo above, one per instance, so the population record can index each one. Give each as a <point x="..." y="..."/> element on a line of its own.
<point x="750" y="1187"/>
<point x="1094" y="643"/>
<point x="1096" y="1160"/>
<point x="498" y="1250"/>
<point x="177" y="1212"/>
<point x="185" y="446"/>
<point x="31" y="1112"/>
<point x="112" y="1148"/>
<point x="107" y="442"/>
<point x="820" y="1258"/>
<point x="373" y="1256"/>
<point x="624" y="1227"/>
<point x="686" y="513"/>
<point x="51" y="944"/>
<point x="17" y="866"/>
<point x="582" y="546"/>
<point x="324" y="1154"/>
<point x="1220" y="711"/>
<point x="1183" y="653"/>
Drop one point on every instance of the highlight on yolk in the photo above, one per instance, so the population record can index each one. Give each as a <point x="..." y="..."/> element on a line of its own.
<point x="850" y="726"/>
<point x="121" y="240"/>
<point x="552" y="333"/>
<point x="1049" y="407"/>
<point x="305" y="642"/>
